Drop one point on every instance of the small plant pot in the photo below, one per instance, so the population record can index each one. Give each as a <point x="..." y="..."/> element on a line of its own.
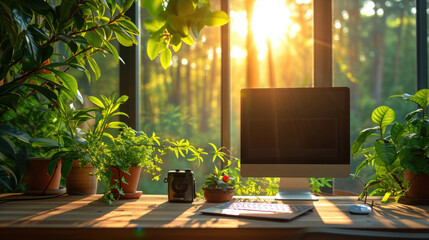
<point x="39" y="182"/>
<point x="419" y="190"/>
<point x="79" y="181"/>
<point x="217" y="195"/>
<point x="130" y="189"/>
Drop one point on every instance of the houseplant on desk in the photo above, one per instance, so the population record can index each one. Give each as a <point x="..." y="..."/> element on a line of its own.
<point x="219" y="187"/>
<point x="400" y="155"/>
<point x="121" y="161"/>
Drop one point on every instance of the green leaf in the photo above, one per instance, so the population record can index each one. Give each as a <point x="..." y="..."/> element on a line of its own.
<point x="154" y="7"/>
<point x="386" y="197"/>
<point x="32" y="47"/>
<point x="179" y="24"/>
<point x="68" y="81"/>
<point x="21" y="19"/>
<point x="39" y="6"/>
<point x="216" y="18"/>
<point x="126" y="4"/>
<point x="94" y="66"/>
<point x="185" y="7"/>
<point x="128" y="25"/>
<point x="49" y="94"/>
<point x="165" y="58"/>
<point x="124" y="39"/>
<point x="112" y="50"/>
<point x="383" y="116"/>
<point x="96" y="101"/>
<point x="15" y="132"/>
<point x="363" y="135"/>
<point x="94" y="39"/>
<point x="421" y="98"/>
<point x="122" y="99"/>
<point x="66" y="167"/>
<point x="386" y="151"/>
<point x="398" y="131"/>
<point x="43" y="142"/>
<point x="154" y="46"/>
<point x="116" y="125"/>
<point x="412" y="114"/>
<point x="362" y="165"/>
<point x="7" y="148"/>
<point x="153" y="25"/>
<point x="188" y="40"/>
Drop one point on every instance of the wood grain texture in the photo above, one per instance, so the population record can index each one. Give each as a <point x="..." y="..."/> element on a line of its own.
<point x="153" y="217"/>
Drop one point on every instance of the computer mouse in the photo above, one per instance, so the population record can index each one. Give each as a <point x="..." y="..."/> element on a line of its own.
<point x="359" y="209"/>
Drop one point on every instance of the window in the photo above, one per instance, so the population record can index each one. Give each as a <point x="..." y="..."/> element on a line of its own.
<point x="374" y="53"/>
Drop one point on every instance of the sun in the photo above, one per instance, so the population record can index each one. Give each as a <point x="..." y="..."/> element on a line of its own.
<point x="271" y="21"/>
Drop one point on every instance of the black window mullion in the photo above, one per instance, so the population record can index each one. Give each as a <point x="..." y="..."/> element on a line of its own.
<point x="422" y="46"/>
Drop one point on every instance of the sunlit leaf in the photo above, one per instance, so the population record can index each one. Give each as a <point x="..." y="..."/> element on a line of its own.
<point x="383" y="116"/>
<point x="94" y="66"/>
<point x="165" y="58"/>
<point x="216" y="18"/>
<point x="154" y="7"/>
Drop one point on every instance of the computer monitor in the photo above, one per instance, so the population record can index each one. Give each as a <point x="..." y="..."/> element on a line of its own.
<point x="295" y="133"/>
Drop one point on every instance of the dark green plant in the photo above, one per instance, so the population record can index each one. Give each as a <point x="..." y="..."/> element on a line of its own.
<point x="32" y="30"/>
<point x="391" y="151"/>
<point x="12" y="158"/>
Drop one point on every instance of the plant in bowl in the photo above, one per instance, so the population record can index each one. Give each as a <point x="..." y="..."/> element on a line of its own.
<point x="219" y="186"/>
<point x="398" y="151"/>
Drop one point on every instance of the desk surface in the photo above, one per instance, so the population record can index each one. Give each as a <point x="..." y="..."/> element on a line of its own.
<point x="152" y="216"/>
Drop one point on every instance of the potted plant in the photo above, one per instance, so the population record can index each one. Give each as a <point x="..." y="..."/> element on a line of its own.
<point x="398" y="152"/>
<point x="78" y="170"/>
<point x="119" y="163"/>
<point x="32" y="119"/>
<point x="219" y="187"/>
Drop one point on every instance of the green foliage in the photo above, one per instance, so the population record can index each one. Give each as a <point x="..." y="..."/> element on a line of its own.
<point x="30" y="31"/>
<point x="131" y="148"/>
<point x="172" y="22"/>
<point x="405" y="146"/>
<point x="72" y="141"/>
<point x="219" y="180"/>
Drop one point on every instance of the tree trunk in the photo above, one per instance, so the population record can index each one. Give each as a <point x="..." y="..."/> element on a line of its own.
<point x="252" y="71"/>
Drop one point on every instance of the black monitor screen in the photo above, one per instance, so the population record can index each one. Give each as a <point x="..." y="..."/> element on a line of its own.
<point x="295" y="126"/>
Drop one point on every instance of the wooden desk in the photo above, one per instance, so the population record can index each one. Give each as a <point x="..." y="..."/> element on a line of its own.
<point x="152" y="217"/>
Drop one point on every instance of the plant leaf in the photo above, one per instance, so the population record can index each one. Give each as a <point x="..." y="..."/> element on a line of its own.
<point x="363" y="135"/>
<point x="165" y="58"/>
<point x="383" y="116"/>
<point x="94" y="66"/>
<point x="386" y="151"/>
<point x="216" y="18"/>
<point x="154" y="7"/>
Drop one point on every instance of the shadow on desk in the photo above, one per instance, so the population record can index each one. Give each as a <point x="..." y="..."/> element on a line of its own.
<point x="349" y="234"/>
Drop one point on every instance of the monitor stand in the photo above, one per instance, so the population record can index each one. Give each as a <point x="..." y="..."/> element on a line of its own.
<point x="296" y="189"/>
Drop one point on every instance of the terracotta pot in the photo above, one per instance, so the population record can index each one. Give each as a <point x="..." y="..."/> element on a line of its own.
<point x="37" y="177"/>
<point x="79" y="181"/>
<point x="419" y="184"/>
<point x="130" y="189"/>
<point x="419" y="190"/>
<point x="217" y="195"/>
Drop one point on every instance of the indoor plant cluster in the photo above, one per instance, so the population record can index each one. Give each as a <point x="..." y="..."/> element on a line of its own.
<point x="398" y="151"/>
<point x="40" y="41"/>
